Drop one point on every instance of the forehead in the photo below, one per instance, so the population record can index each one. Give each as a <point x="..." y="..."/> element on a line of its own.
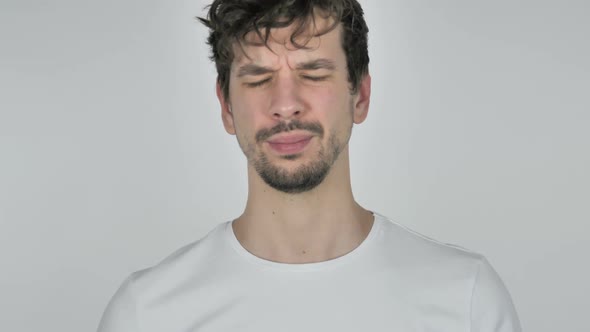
<point x="312" y="41"/>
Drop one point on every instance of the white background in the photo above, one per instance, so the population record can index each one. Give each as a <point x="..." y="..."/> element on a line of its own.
<point x="112" y="152"/>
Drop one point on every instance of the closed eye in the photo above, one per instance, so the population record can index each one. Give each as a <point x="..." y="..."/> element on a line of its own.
<point x="315" y="78"/>
<point x="258" y="83"/>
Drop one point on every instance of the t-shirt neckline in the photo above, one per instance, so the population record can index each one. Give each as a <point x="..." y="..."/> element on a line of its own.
<point x="303" y="267"/>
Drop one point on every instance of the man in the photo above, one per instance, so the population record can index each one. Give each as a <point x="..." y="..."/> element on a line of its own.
<point x="304" y="256"/>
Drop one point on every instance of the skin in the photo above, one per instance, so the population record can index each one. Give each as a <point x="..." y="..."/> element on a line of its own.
<point x="324" y="222"/>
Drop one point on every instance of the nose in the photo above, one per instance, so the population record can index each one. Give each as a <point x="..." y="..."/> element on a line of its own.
<point x="286" y="100"/>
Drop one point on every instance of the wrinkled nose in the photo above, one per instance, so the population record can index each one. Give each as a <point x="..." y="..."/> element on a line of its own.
<point x="286" y="101"/>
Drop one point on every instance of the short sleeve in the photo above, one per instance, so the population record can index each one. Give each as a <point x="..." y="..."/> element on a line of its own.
<point x="120" y="314"/>
<point x="492" y="309"/>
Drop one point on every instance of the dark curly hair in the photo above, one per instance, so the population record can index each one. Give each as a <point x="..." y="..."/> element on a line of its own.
<point x="230" y="21"/>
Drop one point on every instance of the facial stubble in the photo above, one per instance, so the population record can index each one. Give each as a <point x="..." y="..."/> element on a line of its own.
<point x="306" y="176"/>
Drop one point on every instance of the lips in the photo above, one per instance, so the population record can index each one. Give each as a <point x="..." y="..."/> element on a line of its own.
<point x="289" y="144"/>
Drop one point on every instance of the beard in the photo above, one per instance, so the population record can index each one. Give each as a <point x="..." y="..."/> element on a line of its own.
<point x="303" y="178"/>
<point x="306" y="176"/>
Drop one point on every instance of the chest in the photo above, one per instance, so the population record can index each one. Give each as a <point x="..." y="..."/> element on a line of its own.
<point x="379" y="303"/>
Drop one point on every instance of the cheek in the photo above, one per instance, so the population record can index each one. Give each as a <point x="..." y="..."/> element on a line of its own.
<point x="333" y="107"/>
<point x="250" y="106"/>
<point x="247" y="122"/>
<point x="332" y="98"/>
<point x="243" y="124"/>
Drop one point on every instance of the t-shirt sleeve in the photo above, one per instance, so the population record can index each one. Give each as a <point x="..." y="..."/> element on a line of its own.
<point x="120" y="314"/>
<point x="492" y="309"/>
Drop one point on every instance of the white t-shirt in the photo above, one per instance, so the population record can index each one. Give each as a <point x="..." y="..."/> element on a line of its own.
<point x="395" y="280"/>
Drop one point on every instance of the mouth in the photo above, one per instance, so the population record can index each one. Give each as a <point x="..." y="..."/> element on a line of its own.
<point x="289" y="144"/>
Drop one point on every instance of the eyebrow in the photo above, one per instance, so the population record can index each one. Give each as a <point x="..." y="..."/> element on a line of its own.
<point x="255" y="70"/>
<point x="317" y="64"/>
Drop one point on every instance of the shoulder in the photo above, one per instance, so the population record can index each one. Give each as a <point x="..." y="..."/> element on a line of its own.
<point x="190" y="262"/>
<point x="420" y="259"/>
<point x="185" y="262"/>
<point x="444" y="271"/>
<point x="402" y="242"/>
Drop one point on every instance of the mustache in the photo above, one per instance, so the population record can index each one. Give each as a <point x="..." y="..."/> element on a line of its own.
<point x="314" y="127"/>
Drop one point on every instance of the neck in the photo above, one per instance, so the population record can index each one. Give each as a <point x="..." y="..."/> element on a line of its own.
<point x="321" y="224"/>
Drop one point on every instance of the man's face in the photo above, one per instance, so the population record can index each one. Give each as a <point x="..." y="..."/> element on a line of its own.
<point x="291" y="108"/>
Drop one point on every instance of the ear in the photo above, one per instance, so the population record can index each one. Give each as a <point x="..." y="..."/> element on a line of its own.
<point x="226" y="113"/>
<point x="362" y="100"/>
